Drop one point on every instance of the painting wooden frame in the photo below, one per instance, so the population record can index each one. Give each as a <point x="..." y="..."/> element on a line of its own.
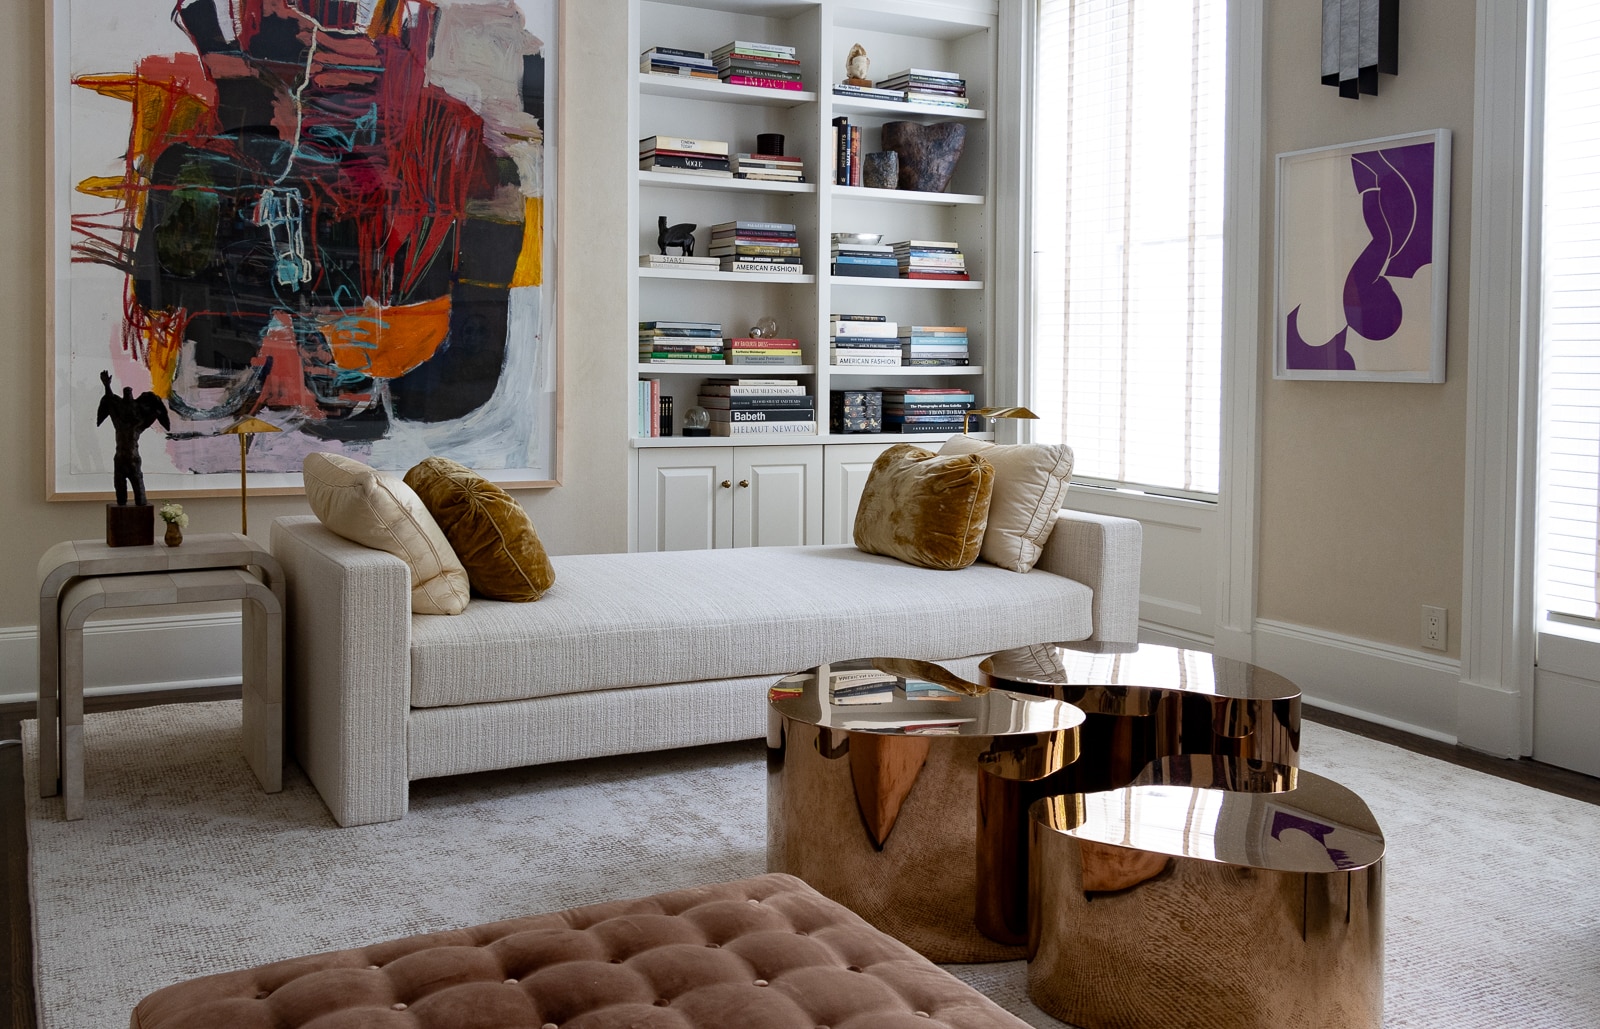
<point x="333" y="216"/>
<point x="1363" y="237"/>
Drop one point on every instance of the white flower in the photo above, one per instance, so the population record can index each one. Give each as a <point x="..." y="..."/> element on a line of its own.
<point x="173" y="513"/>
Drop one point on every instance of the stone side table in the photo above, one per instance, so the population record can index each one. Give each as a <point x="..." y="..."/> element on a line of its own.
<point x="79" y="577"/>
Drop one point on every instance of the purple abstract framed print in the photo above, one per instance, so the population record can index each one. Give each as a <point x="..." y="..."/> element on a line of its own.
<point x="1363" y="245"/>
<point x="335" y="216"/>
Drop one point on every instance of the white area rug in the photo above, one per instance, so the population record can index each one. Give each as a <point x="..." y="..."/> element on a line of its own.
<point x="183" y="867"/>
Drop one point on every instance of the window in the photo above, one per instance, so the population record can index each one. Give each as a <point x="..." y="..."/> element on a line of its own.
<point x="1569" y="451"/>
<point x="1127" y="237"/>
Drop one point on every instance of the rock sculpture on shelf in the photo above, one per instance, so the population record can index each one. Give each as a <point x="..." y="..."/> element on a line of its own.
<point x="856" y="65"/>
<point x="928" y="153"/>
<point x="679" y="235"/>
<point x="130" y="416"/>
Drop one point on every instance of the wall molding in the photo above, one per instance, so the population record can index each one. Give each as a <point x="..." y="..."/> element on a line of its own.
<point x="1411" y="690"/>
<point x="130" y="655"/>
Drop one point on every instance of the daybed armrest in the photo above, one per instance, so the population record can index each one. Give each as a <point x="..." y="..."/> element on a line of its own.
<point x="349" y="659"/>
<point x="1102" y="552"/>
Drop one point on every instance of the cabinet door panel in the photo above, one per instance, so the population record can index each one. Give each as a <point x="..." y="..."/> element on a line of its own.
<point x="682" y="502"/>
<point x="777" y="496"/>
<point x="845" y="470"/>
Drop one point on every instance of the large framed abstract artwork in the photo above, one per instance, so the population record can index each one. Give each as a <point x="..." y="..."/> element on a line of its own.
<point x="1363" y="245"/>
<point x="335" y="216"/>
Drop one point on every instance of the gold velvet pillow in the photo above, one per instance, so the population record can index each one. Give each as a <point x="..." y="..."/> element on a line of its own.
<point x="925" y="509"/>
<point x="1030" y="480"/>
<point x="489" y="530"/>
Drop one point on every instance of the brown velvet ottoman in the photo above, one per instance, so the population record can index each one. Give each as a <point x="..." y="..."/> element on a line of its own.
<point x="762" y="953"/>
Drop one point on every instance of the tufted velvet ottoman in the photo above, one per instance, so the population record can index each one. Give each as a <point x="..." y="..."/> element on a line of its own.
<point x="762" y="953"/>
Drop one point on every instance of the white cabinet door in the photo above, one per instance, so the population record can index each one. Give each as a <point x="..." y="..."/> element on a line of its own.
<point x="845" y="471"/>
<point x="777" y="496"/>
<point x="686" y="499"/>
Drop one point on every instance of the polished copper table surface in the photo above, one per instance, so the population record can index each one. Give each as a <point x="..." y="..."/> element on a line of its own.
<point x="873" y="792"/>
<point x="1214" y="891"/>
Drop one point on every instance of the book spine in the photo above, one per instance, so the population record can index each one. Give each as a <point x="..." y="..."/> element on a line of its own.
<point x="761" y="81"/>
<point x="763" y="428"/>
<point x="781" y="269"/>
<point x="664" y="424"/>
<point x="756" y="403"/>
<point x="841" y="151"/>
<point x="708" y="163"/>
<point x="655" y="407"/>
<point x="684" y="145"/>
<point x="855" y="155"/>
<point x="672" y="51"/>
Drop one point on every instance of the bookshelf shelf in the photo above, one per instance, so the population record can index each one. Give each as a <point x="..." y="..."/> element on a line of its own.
<point x="902" y="110"/>
<point x="785" y="371"/>
<point x="698" y="442"/>
<point x="922" y="438"/>
<point x="786" y="278"/>
<point x="888" y="371"/>
<point x="685" y="88"/>
<point x="713" y="184"/>
<point x="865" y="280"/>
<point x="905" y="196"/>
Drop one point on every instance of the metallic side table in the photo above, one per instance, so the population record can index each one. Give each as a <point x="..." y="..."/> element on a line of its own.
<point x="1214" y="891"/>
<point x="874" y="772"/>
<point x="1142" y="703"/>
<point x="80" y="577"/>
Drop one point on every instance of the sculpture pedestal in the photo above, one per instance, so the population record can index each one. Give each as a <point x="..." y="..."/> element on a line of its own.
<point x="130" y="525"/>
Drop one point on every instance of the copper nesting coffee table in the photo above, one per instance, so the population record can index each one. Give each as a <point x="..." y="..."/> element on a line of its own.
<point x="873" y="772"/>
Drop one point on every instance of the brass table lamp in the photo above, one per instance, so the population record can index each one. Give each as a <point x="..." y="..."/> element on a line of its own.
<point x="244" y="428"/>
<point x="994" y="412"/>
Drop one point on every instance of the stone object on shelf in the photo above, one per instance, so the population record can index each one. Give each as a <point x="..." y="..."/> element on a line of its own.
<point x="928" y="153"/>
<point x="856" y="65"/>
<point x="881" y="170"/>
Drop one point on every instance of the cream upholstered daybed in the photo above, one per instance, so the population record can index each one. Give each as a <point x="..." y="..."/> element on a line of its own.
<point x="637" y="651"/>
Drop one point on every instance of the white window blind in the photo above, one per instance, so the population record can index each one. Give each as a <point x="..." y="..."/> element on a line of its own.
<point x="1569" y="451"/>
<point x="1127" y="365"/>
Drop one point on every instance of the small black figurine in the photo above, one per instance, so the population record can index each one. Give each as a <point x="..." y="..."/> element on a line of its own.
<point x="679" y="235"/>
<point x="130" y="416"/>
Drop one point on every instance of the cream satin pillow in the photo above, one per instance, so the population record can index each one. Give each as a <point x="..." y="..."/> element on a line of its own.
<point x="381" y="512"/>
<point x="1030" y="480"/>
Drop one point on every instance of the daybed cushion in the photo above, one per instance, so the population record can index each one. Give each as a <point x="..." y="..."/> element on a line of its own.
<point x="924" y="509"/>
<point x="762" y="953"/>
<point x="1030" y="482"/>
<point x="489" y="530"/>
<point x="379" y="511"/>
<point x="627" y="620"/>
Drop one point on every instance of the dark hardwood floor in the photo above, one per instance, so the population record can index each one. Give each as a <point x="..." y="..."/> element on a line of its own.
<point x="16" y="922"/>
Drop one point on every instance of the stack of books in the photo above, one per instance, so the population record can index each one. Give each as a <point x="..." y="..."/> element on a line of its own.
<point x="757" y="247"/>
<point x="769" y="65"/>
<point x="925" y="86"/>
<point x="669" y="60"/>
<point x="684" y="155"/>
<point x="763" y="350"/>
<point x="875" y="260"/>
<point x="933" y="260"/>
<point x="654" y="414"/>
<point x="686" y="343"/>
<point x="844" y="89"/>
<point x="868" y="340"/>
<point x="867" y="686"/>
<point x="933" y="346"/>
<point x="918" y="409"/>
<point x="769" y="167"/>
<point x="748" y="407"/>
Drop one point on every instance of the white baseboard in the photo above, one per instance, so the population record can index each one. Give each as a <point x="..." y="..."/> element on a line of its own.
<point x="1404" y="689"/>
<point x="130" y="655"/>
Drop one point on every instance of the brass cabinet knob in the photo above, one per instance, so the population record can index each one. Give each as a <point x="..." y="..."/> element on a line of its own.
<point x="744" y="483"/>
<point x="726" y="484"/>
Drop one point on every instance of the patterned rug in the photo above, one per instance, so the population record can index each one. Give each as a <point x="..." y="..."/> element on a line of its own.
<point x="183" y="867"/>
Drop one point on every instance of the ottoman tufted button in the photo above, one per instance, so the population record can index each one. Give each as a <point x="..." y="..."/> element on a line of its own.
<point x="714" y="946"/>
<point x="372" y="968"/>
<point x="800" y="932"/>
<point x="662" y="1002"/>
<point x="616" y="961"/>
<point x="263" y="995"/>
<point x="922" y="1014"/>
<point x="761" y="982"/>
<point x="549" y="1025"/>
<point x="511" y="982"/>
<point x="853" y="968"/>
<point x="752" y="900"/>
<point x="398" y="1005"/>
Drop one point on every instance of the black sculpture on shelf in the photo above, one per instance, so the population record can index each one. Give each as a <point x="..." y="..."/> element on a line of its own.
<point x="130" y="416"/>
<point x="679" y="235"/>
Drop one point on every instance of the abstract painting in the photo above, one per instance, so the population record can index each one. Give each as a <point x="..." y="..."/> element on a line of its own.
<point x="331" y="215"/>
<point x="1363" y="246"/>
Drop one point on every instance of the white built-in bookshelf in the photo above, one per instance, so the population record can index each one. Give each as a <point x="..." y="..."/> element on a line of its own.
<point x="958" y="37"/>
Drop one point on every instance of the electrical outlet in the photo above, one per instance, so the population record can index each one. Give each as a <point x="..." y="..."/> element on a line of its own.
<point x="1433" y="627"/>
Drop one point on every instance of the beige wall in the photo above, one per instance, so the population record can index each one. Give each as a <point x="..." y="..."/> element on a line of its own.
<point x="1362" y="484"/>
<point x="587" y="513"/>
